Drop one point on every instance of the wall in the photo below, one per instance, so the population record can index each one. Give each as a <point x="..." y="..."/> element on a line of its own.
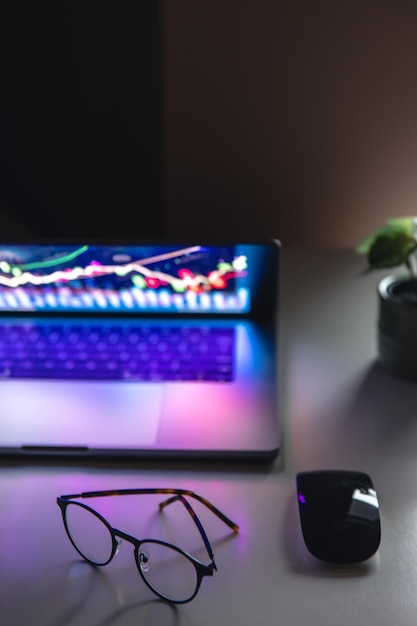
<point x="296" y="120"/>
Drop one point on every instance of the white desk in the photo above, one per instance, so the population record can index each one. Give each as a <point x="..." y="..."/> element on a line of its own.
<point x="339" y="411"/>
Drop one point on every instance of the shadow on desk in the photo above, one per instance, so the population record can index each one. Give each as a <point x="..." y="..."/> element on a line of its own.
<point x="382" y="411"/>
<point x="75" y="593"/>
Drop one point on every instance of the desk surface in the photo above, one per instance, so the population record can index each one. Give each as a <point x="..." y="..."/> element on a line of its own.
<point x="339" y="410"/>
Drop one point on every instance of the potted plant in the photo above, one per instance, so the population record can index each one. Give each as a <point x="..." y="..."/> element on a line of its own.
<point x="394" y="244"/>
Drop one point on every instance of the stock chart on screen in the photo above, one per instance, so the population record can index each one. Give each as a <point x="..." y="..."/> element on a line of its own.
<point x="126" y="279"/>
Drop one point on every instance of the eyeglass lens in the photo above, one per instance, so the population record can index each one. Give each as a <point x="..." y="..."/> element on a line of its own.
<point x="168" y="571"/>
<point x="89" y="534"/>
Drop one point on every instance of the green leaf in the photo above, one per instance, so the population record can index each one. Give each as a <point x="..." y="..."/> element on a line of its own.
<point x="389" y="250"/>
<point x="397" y="227"/>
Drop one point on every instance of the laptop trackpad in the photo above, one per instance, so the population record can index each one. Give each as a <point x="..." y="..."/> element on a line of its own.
<point x="114" y="415"/>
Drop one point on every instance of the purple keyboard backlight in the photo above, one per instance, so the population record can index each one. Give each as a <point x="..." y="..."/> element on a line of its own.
<point x="148" y="353"/>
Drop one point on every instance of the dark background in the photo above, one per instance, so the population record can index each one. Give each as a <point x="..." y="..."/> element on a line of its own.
<point x="205" y="118"/>
<point x="81" y="128"/>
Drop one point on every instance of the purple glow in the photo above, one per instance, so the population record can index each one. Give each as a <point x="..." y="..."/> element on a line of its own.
<point x="301" y="498"/>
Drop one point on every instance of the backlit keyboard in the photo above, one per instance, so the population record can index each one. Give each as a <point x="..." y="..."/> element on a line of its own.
<point x="139" y="353"/>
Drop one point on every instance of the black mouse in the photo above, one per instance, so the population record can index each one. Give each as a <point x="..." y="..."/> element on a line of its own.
<point x="339" y="515"/>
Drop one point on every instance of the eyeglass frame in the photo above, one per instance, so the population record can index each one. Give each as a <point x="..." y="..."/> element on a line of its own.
<point x="202" y="569"/>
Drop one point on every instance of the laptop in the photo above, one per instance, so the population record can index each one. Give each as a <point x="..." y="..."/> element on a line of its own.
<point x="139" y="350"/>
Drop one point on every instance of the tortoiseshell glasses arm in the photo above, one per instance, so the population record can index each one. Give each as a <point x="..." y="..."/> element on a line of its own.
<point x="163" y="491"/>
<point x="195" y="519"/>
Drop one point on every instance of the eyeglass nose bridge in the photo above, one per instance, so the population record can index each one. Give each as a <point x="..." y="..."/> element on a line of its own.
<point x="119" y="534"/>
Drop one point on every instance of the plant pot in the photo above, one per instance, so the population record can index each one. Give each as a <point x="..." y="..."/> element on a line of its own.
<point x="397" y="326"/>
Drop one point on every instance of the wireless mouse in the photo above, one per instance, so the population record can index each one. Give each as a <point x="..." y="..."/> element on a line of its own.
<point x="339" y="515"/>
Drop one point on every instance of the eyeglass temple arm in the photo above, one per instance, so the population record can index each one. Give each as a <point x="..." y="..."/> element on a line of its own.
<point x="176" y="492"/>
<point x="207" y="504"/>
<point x="195" y="519"/>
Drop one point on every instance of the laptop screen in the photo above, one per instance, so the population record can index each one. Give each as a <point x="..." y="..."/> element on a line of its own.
<point x="128" y="279"/>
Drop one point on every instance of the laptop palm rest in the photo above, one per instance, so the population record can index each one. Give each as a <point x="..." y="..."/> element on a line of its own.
<point x="80" y="414"/>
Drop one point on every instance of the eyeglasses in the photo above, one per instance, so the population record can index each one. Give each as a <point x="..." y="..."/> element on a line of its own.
<point x="170" y="572"/>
